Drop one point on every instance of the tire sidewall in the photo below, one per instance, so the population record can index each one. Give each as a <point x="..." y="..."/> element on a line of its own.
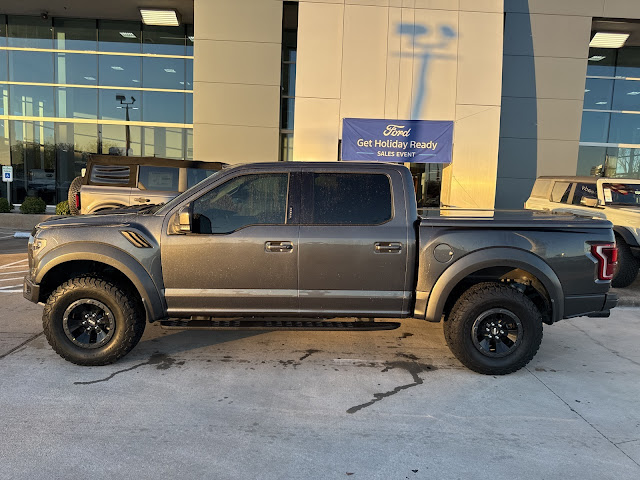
<point x="74" y="188"/>
<point x="87" y="354"/>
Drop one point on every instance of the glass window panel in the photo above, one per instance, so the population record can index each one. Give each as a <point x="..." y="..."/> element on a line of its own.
<point x="626" y="95"/>
<point x="31" y="101"/>
<point x="427" y="182"/>
<point x="286" y="147"/>
<point x="623" y="162"/>
<point x="584" y="190"/>
<point x="163" y="142"/>
<point x="625" y="128"/>
<point x="164" y="179"/>
<point x="4" y="100"/>
<point x="33" y="158"/>
<point x="74" y="143"/>
<point x="189" y="67"/>
<point x="110" y="107"/>
<point x="288" y="79"/>
<point x="163" y="73"/>
<point x="31" y="32"/>
<point x="189" y="135"/>
<point x="188" y="98"/>
<point x="286" y="112"/>
<point x="163" y="107"/>
<point x="595" y="126"/>
<point x="31" y="67"/>
<point x="242" y="201"/>
<point x="602" y="62"/>
<point x="119" y="71"/>
<point x="75" y="34"/>
<point x="190" y="39"/>
<point x="629" y="62"/>
<point x="114" y="36"/>
<point x="196" y="175"/>
<point x="164" y="40"/>
<point x="591" y="160"/>
<point x="3" y="30"/>
<point x="4" y="74"/>
<point x="598" y="93"/>
<point x="76" y="68"/>
<point x="76" y="102"/>
<point x="349" y="199"/>
<point x="113" y="140"/>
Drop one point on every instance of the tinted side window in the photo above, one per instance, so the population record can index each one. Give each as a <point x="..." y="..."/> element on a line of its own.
<point x="259" y="199"/>
<point x="349" y="199"/>
<point x="196" y="175"/>
<point x="164" y="179"/>
<point x="584" y="190"/>
<point x="110" y="174"/>
<point x="560" y="192"/>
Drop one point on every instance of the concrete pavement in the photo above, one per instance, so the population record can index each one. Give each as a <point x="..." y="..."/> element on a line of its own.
<point x="307" y="405"/>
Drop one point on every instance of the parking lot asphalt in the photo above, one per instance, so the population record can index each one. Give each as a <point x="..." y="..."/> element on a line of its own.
<point x="306" y="405"/>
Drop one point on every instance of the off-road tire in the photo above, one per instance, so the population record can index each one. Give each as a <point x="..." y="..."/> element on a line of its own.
<point x="472" y="304"/>
<point x="628" y="265"/>
<point x="71" y="196"/>
<point x="127" y="312"/>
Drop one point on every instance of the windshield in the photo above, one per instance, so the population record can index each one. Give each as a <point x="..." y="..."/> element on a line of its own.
<point x="621" y="193"/>
<point x="168" y="206"/>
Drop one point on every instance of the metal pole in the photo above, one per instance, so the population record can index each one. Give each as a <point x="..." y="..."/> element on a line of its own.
<point x="128" y="133"/>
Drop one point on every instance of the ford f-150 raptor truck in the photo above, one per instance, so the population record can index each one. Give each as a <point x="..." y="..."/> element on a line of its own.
<point x="312" y="242"/>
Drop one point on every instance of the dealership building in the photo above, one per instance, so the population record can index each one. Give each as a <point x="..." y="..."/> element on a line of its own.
<point x="530" y="87"/>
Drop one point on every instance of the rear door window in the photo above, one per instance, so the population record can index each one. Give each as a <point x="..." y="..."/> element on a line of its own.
<point x="584" y="190"/>
<point x="346" y="199"/>
<point x="163" y="179"/>
<point x="560" y="192"/>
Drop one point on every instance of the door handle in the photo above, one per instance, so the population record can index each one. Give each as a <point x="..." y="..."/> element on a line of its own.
<point x="388" y="247"/>
<point x="278" y="246"/>
<point x="141" y="200"/>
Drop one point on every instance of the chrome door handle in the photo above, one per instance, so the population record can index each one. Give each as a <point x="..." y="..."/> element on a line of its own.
<point x="388" y="247"/>
<point x="278" y="246"/>
<point x="141" y="200"/>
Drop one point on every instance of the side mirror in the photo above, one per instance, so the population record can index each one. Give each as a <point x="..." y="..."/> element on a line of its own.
<point x="181" y="221"/>
<point x="589" y="202"/>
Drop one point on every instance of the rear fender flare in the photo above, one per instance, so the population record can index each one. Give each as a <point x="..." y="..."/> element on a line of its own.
<point x="114" y="257"/>
<point x="494" y="257"/>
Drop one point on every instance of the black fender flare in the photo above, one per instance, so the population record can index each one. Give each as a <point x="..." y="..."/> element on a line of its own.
<point x="494" y="257"/>
<point x="114" y="257"/>
<point x="626" y="235"/>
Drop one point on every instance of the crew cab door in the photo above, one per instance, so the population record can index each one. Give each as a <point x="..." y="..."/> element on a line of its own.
<point x="354" y="238"/>
<point x="241" y="256"/>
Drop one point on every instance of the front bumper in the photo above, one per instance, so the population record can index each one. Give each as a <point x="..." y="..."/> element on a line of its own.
<point x="30" y="290"/>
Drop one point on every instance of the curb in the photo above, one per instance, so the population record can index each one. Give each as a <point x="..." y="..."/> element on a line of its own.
<point x="22" y="221"/>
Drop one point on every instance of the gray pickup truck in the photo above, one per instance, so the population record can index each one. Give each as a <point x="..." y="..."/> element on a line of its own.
<point x="293" y="245"/>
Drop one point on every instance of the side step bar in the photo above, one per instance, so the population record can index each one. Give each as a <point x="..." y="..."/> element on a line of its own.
<point x="276" y="325"/>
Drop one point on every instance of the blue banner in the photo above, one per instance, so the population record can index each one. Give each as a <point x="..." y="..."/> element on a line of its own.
<point x="416" y="141"/>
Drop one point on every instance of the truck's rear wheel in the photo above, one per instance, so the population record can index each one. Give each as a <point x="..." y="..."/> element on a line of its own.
<point x="493" y="329"/>
<point x="90" y="321"/>
<point x="628" y="265"/>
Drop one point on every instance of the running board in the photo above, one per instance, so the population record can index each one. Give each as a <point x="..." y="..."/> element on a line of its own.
<point x="276" y="325"/>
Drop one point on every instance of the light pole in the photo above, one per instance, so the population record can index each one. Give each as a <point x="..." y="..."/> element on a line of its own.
<point x="124" y="104"/>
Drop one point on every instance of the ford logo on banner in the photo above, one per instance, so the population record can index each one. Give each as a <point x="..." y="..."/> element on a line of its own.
<point x="416" y="141"/>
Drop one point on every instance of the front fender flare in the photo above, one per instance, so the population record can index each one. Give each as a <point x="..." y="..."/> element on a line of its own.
<point x="434" y="301"/>
<point x="114" y="257"/>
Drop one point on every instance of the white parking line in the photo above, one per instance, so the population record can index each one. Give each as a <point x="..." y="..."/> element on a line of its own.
<point x="8" y="265"/>
<point x="13" y="273"/>
<point x="7" y="279"/>
<point x="10" y="286"/>
<point x="11" y="291"/>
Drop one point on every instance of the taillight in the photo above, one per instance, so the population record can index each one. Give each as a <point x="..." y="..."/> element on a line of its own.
<point x="78" y="201"/>
<point x="607" y="256"/>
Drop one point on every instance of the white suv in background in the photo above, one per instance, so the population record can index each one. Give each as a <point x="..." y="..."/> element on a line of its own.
<point x="613" y="199"/>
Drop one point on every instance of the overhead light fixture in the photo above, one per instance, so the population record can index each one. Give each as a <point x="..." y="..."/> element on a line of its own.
<point x="608" y="40"/>
<point x="160" y="16"/>
<point x="169" y="70"/>
<point x="633" y="93"/>
<point x="115" y="67"/>
<point x="586" y="90"/>
<point x="128" y="35"/>
<point x="601" y="103"/>
<point x="190" y="37"/>
<point x="597" y="58"/>
<point x="90" y="78"/>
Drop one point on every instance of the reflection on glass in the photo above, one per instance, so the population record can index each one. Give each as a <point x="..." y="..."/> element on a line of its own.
<point x="288" y="79"/>
<point x="163" y="107"/>
<point x="31" y="67"/>
<point x="115" y="36"/>
<point x="427" y="182"/>
<point x="189" y="108"/>
<point x="114" y="140"/>
<point x="598" y="93"/>
<point x="286" y="147"/>
<point x="602" y="61"/>
<point x="624" y="128"/>
<point x="76" y="68"/>
<point x="31" y="101"/>
<point x="76" y="102"/>
<point x="626" y="95"/>
<point x="30" y="32"/>
<point x="163" y="40"/>
<point x="119" y="71"/>
<point x="629" y="62"/>
<point x="74" y="143"/>
<point x="163" y="142"/>
<point x="111" y="108"/>
<point x="287" y="112"/>
<point x="75" y="34"/>
<point x="3" y="65"/>
<point x="595" y="126"/>
<point x="590" y="160"/>
<point x="163" y="73"/>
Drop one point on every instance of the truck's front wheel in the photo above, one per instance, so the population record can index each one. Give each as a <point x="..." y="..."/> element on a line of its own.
<point x="90" y="321"/>
<point x="493" y="329"/>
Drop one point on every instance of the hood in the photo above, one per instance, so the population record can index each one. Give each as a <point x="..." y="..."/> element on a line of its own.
<point x="88" y="221"/>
